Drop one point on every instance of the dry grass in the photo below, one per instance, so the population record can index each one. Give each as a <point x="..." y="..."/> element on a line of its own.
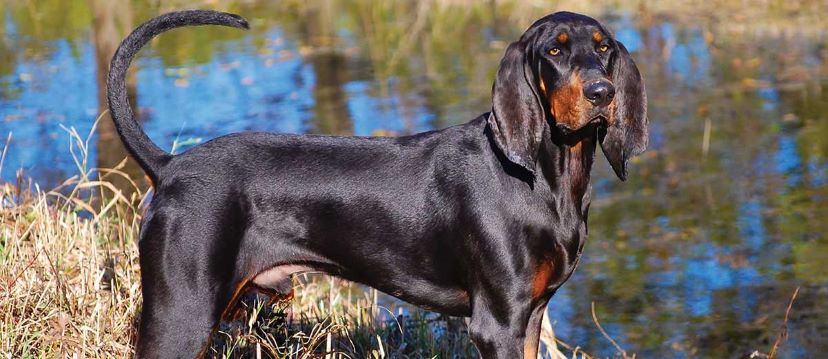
<point x="69" y="281"/>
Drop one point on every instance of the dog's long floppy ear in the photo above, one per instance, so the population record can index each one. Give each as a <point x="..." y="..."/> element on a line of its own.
<point x="517" y="118"/>
<point x="626" y="133"/>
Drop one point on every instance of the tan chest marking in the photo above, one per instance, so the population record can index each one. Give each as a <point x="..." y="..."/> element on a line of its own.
<point x="543" y="273"/>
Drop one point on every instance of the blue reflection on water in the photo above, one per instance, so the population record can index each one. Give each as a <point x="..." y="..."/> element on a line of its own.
<point x="786" y="160"/>
<point x="59" y="90"/>
<point x="770" y="96"/>
<point x="706" y="274"/>
<point x="371" y="114"/>
<point x="235" y="92"/>
<point x="690" y="58"/>
<point x="628" y="34"/>
<point x="819" y="174"/>
<point x="751" y="226"/>
<point x="10" y="27"/>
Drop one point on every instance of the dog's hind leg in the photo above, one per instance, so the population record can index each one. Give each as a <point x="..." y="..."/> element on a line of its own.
<point x="187" y="278"/>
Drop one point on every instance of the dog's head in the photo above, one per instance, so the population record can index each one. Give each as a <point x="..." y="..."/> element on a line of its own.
<point x="568" y="70"/>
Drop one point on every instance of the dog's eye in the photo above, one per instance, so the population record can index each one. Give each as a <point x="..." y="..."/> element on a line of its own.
<point x="603" y="48"/>
<point x="554" y="51"/>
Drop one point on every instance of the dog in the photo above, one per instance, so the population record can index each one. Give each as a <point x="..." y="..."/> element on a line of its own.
<point x="485" y="220"/>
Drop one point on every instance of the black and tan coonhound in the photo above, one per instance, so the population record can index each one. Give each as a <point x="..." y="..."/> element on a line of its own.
<point x="486" y="219"/>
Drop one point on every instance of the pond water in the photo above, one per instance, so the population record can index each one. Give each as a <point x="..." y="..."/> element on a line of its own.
<point x="696" y="255"/>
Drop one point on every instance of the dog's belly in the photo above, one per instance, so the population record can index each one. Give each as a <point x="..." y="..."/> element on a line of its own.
<point x="447" y="300"/>
<point x="279" y="277"/>
<point x="452" y="301"/>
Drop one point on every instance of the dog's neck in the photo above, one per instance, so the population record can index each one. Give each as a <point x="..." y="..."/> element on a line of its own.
<point x="565" y="163"/>
<point x="563" y="167"/>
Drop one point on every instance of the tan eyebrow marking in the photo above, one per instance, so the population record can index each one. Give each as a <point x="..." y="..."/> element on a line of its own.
<point x="597" y="36"/>
<point x="563" y="37"/>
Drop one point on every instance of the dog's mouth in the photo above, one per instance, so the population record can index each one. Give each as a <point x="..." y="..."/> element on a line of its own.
<point x="599" y="119"/>
<point x="595" y="121"/>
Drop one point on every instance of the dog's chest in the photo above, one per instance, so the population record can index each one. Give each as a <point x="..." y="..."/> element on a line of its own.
<point x="557" y="247"/>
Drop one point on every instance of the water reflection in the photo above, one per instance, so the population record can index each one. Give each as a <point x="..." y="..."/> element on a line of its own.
<point x="695" y="256"/>
<point x="112" y="21"/>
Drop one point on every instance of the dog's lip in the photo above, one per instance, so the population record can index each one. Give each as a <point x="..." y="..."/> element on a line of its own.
<point x="600" y="119"/>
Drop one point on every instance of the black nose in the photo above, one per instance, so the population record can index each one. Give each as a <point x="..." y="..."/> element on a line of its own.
<point x="599" y="93"/>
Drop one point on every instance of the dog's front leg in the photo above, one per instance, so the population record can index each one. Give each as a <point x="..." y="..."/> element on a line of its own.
<point x="507" y="326"/>
<point x="182" y="285"/>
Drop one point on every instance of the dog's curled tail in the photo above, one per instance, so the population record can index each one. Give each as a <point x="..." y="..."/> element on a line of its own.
<point x="149" y="156"/>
